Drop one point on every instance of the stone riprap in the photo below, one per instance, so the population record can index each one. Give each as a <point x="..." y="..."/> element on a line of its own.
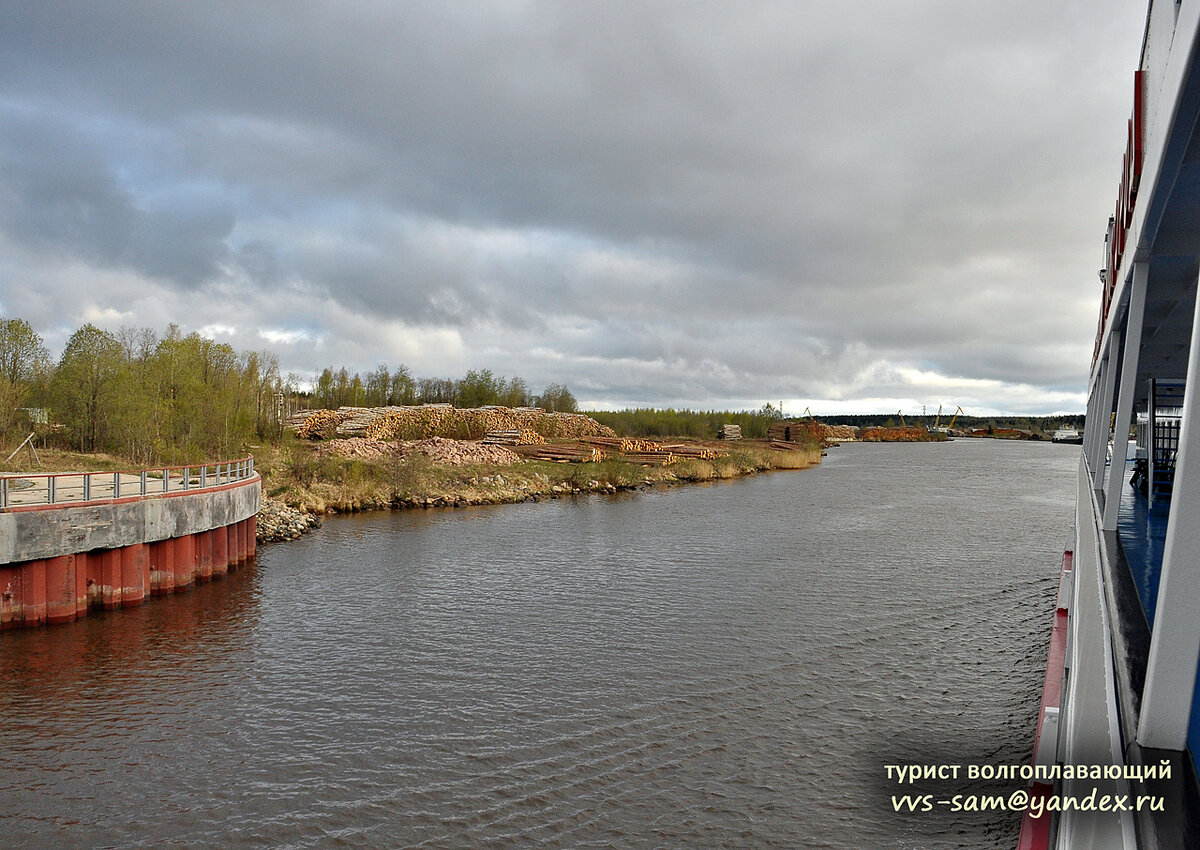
<point x="277" y="521"/>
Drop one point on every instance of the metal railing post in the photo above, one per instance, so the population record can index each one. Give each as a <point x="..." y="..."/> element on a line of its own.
<point x="166" y="480"/>
<point x="143" y="482"/>
<point x="3" y="492"/>
<point x="187" y="474"/>
<point x="87" y="486"/>
<point x="204" y="476"/>
<point x="50" y="481"/>
<point x="116" y="485"/>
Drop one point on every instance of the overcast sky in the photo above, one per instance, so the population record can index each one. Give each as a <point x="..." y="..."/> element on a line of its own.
<point x="857" y="207"/>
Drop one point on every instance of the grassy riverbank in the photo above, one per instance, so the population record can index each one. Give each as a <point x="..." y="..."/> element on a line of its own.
<point x="316" y="478"/>
<point x="302" y="475"/>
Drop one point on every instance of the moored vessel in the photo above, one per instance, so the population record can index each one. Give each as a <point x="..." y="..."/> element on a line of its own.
<point x="1067" y="435"/>
<point x="1119" y="725"/>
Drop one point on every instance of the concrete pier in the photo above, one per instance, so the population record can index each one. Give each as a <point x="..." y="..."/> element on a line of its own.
<point x="59" y="559"/>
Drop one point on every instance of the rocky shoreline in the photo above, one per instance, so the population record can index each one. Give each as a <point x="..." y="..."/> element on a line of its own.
<point x="276" y="521"/>
<point x="355" y="474"/>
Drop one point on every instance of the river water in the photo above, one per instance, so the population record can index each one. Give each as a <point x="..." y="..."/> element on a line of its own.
<point x="728" y="665"/>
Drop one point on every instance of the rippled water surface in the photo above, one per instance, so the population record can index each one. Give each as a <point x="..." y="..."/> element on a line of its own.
<point x="712" y="666"/>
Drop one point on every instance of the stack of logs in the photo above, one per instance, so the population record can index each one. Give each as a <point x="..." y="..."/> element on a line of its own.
<point x="688" y="450"/>
<point x="904" y="434"/>
<point x="441" y="420"/>
<point x="631" y="450"/>
<point x="315" y="424"/>
<point x="809" y="430"/>
<point x="624" y="445"/>
<point x="513" y="437"/>
<point x="730" y="432"/>
<point x="561" y="453"/>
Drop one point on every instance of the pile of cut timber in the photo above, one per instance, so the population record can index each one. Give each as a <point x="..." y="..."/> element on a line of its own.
<point x="730" y="432"/>
<point x="358" y="447"/>
<point x="649" y="458"/>
<point x="645" y="451"/>
<point x="316" y="424"/>
<point x="596" y="449"/>
<point x="689" y="450"/>
<point x="809" y="430"/>
<point x="513" y="437"/>
<point x="622" y="444"/>
<point x="905" y="434"/>
<point x="561" y="453"/>
<point x="444" y="452"/>
<point x="441" y="420"/>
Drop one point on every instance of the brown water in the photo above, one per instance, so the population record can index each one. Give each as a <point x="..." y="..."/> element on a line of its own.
<point x="716" y="666"/>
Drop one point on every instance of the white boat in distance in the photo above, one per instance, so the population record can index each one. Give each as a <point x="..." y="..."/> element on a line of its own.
<point x="1067" y="435"/>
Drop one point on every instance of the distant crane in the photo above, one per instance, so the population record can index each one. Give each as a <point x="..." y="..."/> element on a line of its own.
<point x="945" y="428"/>
<point x="903" y="424"/>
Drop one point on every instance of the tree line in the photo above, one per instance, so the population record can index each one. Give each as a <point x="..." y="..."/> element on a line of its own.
<point x="176" y="398"/>
<point x="383" y="386"/>
<point x="701" y="424"/>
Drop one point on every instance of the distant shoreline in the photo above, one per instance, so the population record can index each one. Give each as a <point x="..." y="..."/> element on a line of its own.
<point x="315" y="479"/>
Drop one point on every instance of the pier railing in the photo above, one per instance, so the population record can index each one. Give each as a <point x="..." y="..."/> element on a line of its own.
<point x="21" y="489"/>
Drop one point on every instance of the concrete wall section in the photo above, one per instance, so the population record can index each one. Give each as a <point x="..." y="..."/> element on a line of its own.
<point x="49" y="531"/>
<point x="63" y="588"/>
<point x="58" y="561"/>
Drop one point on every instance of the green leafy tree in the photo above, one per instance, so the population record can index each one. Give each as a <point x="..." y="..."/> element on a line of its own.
<point x="557" y="398"/>
<point x="403" y="389"/>
<point x="514" y="392"/>
<point x="378" y="386"/>
<point x="134" y="409"/>
<point x="84" y="384"/>
<point x="24" y="363"/>
<point x="477" y="388"/>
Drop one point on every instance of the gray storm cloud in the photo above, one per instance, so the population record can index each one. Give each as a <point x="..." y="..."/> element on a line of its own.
<point x="710" y="204"/>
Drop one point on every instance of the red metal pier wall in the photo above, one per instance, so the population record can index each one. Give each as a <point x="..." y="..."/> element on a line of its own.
<point x="65" y="587"/>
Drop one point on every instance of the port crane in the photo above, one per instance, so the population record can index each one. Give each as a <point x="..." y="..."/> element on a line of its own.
<point x="939" y="427"/>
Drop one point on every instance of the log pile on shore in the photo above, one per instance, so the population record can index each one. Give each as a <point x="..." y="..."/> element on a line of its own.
<point x="905" y="434"/>
<point x="624" y="445"/>
<point x="439" y="450"/>
<point x="730" y="432"/>
<point x="444" y="452"/>
<point x="276" y="521"/>
<point x="418" y="422"/>
<point x="358" y="447"/>
<point x="839" y="433"/>
<point x="810" y="430"/>
<point x="631" y="450"/>
<point x="562" y="453"/>
<point x="692" y="450"/>
<point x="513" y="437"/>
